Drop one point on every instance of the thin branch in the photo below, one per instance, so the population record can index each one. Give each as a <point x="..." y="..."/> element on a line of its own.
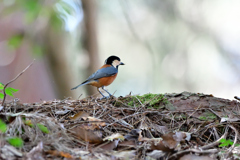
<point x="235" y="140"/>
<point x="176" y="155"/>
<point x="5" y="86"/>
<point x="216" y="142"/>
<point x="237" y="98"/>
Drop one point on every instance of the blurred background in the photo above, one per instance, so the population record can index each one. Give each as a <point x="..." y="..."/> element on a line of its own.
<point x="168" y="46"/>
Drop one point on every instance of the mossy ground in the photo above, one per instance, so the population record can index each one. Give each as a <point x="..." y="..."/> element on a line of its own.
<point x="207" y="116"/>
<point x="149" y="100"/>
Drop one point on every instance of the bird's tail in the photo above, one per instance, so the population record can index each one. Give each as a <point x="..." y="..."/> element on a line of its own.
<point x="86" y="82"/>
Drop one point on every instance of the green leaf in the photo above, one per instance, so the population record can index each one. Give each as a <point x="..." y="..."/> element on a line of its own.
<point x="13" y="90"/>
<point x="31" y="5"/>
<point x="37" y="50"/>
<point x="225" y="143"/>
<point x="230" y="142"/>
<point x="1" y="95"/>
<point x="15" y="41"/>
<point x="65" y="6"/>
<point x="56" y="20"/>
<point x="32" y="8"/>
<point x="3" y="126"/>
<point x="15" y="141"/>
<point x="42" y="128"/>
<point x="9" y="91"/>
<point x="29" y="123"/>
<point x="223" y="140"/>
<point x="1" y="86"/>
<point x="203" y="118"/>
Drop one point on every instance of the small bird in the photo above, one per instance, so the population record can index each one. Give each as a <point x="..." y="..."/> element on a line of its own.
<point x="105" y="75"/>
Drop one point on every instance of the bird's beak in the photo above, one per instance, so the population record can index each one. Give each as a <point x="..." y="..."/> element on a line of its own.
<point x="121" y="63"/>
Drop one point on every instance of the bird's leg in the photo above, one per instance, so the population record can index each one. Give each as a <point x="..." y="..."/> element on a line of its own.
<point x="101" y="93"/>
<point x="106" y="91"/>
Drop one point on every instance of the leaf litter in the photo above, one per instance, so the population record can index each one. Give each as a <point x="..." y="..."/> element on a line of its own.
<point x="153" y="126"/>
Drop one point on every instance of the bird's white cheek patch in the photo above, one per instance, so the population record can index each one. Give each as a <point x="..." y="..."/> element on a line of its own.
<point x="115" y="63"/>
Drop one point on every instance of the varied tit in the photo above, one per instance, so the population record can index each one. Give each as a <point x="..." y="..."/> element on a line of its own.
<point x="105" y="75"/>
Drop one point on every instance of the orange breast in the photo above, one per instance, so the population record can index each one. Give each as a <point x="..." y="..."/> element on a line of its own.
<point x="105" y="81"/>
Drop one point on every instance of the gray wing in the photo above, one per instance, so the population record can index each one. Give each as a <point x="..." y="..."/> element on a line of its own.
<point x="104" y="72"/>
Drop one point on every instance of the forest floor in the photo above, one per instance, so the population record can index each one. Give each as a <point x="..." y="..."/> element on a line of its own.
<point x="153" y="126"/>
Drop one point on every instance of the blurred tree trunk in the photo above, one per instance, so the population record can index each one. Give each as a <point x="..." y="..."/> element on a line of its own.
<point x="58" y="62"/>
<point x="90" y="38"/>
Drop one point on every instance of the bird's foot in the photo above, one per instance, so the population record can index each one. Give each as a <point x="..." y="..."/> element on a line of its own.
<point x="107" y="97"/>
<point x="104" y="97"/>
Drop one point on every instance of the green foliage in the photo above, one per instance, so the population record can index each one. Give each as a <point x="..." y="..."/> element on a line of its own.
<point x="9" y="91"/>
<point x="180" y="116"/>
<point x="56" y="20"/>
<point x="37" y="50"/>
<point x="3" y="127"/>
<point x="29" y="123"/>
<point x="152" y="100"/>
<point x="15" y="41"/>
<point x="208" y="116"/>
<point x="1" y="95"/>
<point x="15" y="141"/>
<point x="64" y="8"/>
<point x="55" y="12"/>
<point x="42" y="128"/>
<point x="32" y="9"/>
<point x="203" y="118"/>
<point x="1" y="88"/>
<point x="225" y="143"/>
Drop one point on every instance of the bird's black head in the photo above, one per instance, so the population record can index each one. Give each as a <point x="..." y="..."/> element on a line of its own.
<point x="114" y="61"/>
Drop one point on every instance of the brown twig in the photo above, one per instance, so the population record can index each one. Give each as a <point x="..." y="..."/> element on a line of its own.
<point x="237" y="98"/>
<point x="235" y="140"/>
<point x="178" y="154"/>
<point x="5" y="86"/>
<point x="216" y="142"/>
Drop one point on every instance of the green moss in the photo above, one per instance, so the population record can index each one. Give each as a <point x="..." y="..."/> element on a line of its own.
<point x="149" y="100"/>
<point x="207" y="116"/>
<point x="180" y="116"/>
<point x="203" y="118"/>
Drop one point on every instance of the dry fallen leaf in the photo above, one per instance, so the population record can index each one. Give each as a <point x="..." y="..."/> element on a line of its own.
<point x="110" y="145"/>
<point x="127" y="143"/>
<point x="133" y="135"/>
<point x="226" y="119"/>
<point x="60" y="154"/>
<point x="156" y="154"/>
<point x="79" y="115"/>
<point x="160" y="129"/>
<point x="195" y="157"/>
<point x="36" y="152"/>
<point x="95" y="122"/>
<point x="114" y="136"/>
<point x="125" y="154"/>
<point x="181" y="136"/>
<point x="62" y="112"/>
<point x="113" y="141"/>
<point x="143" y="126"/>
<point x="86" y="134"/>
<point x="168" y="142"/>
